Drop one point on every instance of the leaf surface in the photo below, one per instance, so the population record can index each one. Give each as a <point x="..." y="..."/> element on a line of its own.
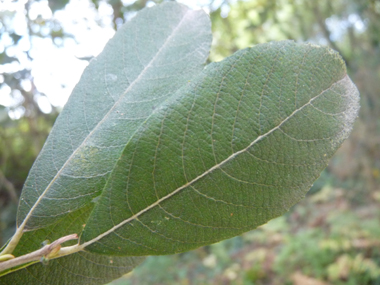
<point x="235" y="148"/>
<point x="77" y="268"/>
<point x="145" y="63"/>
<point x="148" y="59"/>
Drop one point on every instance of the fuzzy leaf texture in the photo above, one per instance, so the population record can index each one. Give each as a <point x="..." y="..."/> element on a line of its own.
<point x="238" y="146"/>
<point x="146" y="62"/>
<point x="154" y="154"/>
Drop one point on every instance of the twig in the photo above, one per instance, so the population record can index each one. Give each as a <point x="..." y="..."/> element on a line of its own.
<point x="48" y="251"/>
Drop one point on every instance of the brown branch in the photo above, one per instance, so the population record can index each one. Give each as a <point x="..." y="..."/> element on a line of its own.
<point x="48" y="251"/>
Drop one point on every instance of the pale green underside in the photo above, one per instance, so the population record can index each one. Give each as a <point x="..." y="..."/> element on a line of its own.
<point x="146" y="62"/>
<point x="154" y="154"/>
<point x="236" y="147"/>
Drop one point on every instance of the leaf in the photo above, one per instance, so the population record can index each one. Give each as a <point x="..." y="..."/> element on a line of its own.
<point x="152" y="155"/>
<point x="145" y="63"/>
<point x="148" y="59"/>
<point x="235" y="148"/>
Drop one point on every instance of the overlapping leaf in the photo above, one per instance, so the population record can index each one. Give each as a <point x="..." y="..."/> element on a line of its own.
<point x="237" y="147"/>
<point x="152" y="155"/>
<point x="148" y="59"/>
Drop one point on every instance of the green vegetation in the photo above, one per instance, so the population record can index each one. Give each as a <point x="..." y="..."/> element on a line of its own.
<point x="333" y="239"/>
<point x="325" y="239"/>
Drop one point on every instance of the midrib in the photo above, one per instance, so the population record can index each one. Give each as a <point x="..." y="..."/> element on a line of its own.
<point x="232" y="156"/>
<point x="175" y="30"/>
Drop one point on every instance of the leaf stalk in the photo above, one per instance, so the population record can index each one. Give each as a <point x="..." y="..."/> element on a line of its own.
<point x="49" y="251"/>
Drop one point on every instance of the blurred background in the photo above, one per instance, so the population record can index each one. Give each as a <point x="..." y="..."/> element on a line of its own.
<point x="332" y="237"/>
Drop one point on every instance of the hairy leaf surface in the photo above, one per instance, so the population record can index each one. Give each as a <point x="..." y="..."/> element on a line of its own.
<point x="148" y="59"/>
<point x="145" y="63"/>
<point x="237" y="147"/>
<point x="154" y="154"/>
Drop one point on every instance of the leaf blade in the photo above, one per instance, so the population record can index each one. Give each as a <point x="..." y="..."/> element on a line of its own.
<point x="83" y="145"/>
<point x="67" y="174"/>
<point x="79" y="268"/>
<point x="169" y="162"/>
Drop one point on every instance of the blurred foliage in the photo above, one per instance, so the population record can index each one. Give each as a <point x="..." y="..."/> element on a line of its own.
<point x="20" y="143"/>
<point x="330" y="238"/>
<point x="321" y="241"/>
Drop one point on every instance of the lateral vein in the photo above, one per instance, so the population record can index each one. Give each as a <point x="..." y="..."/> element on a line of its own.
<point x="143" y="72"/>
<point x="232" y="156"/>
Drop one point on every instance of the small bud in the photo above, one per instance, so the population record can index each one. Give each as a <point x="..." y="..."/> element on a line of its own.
<point x="44" y="260"/>
<point x="6" y="257"/>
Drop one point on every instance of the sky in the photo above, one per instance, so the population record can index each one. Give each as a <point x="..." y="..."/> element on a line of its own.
<point x="57" y="66"/>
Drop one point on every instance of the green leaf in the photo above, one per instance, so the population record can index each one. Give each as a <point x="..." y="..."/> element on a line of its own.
<point x="235" y="148"/>
<point x="78" y="268"/>
<point x="145" y="63"/>
<point x="148" y="59"/>
<point x="153" y="154"/>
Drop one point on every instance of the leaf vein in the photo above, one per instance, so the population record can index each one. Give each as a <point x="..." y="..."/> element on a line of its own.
<point x="217" y="166"/>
